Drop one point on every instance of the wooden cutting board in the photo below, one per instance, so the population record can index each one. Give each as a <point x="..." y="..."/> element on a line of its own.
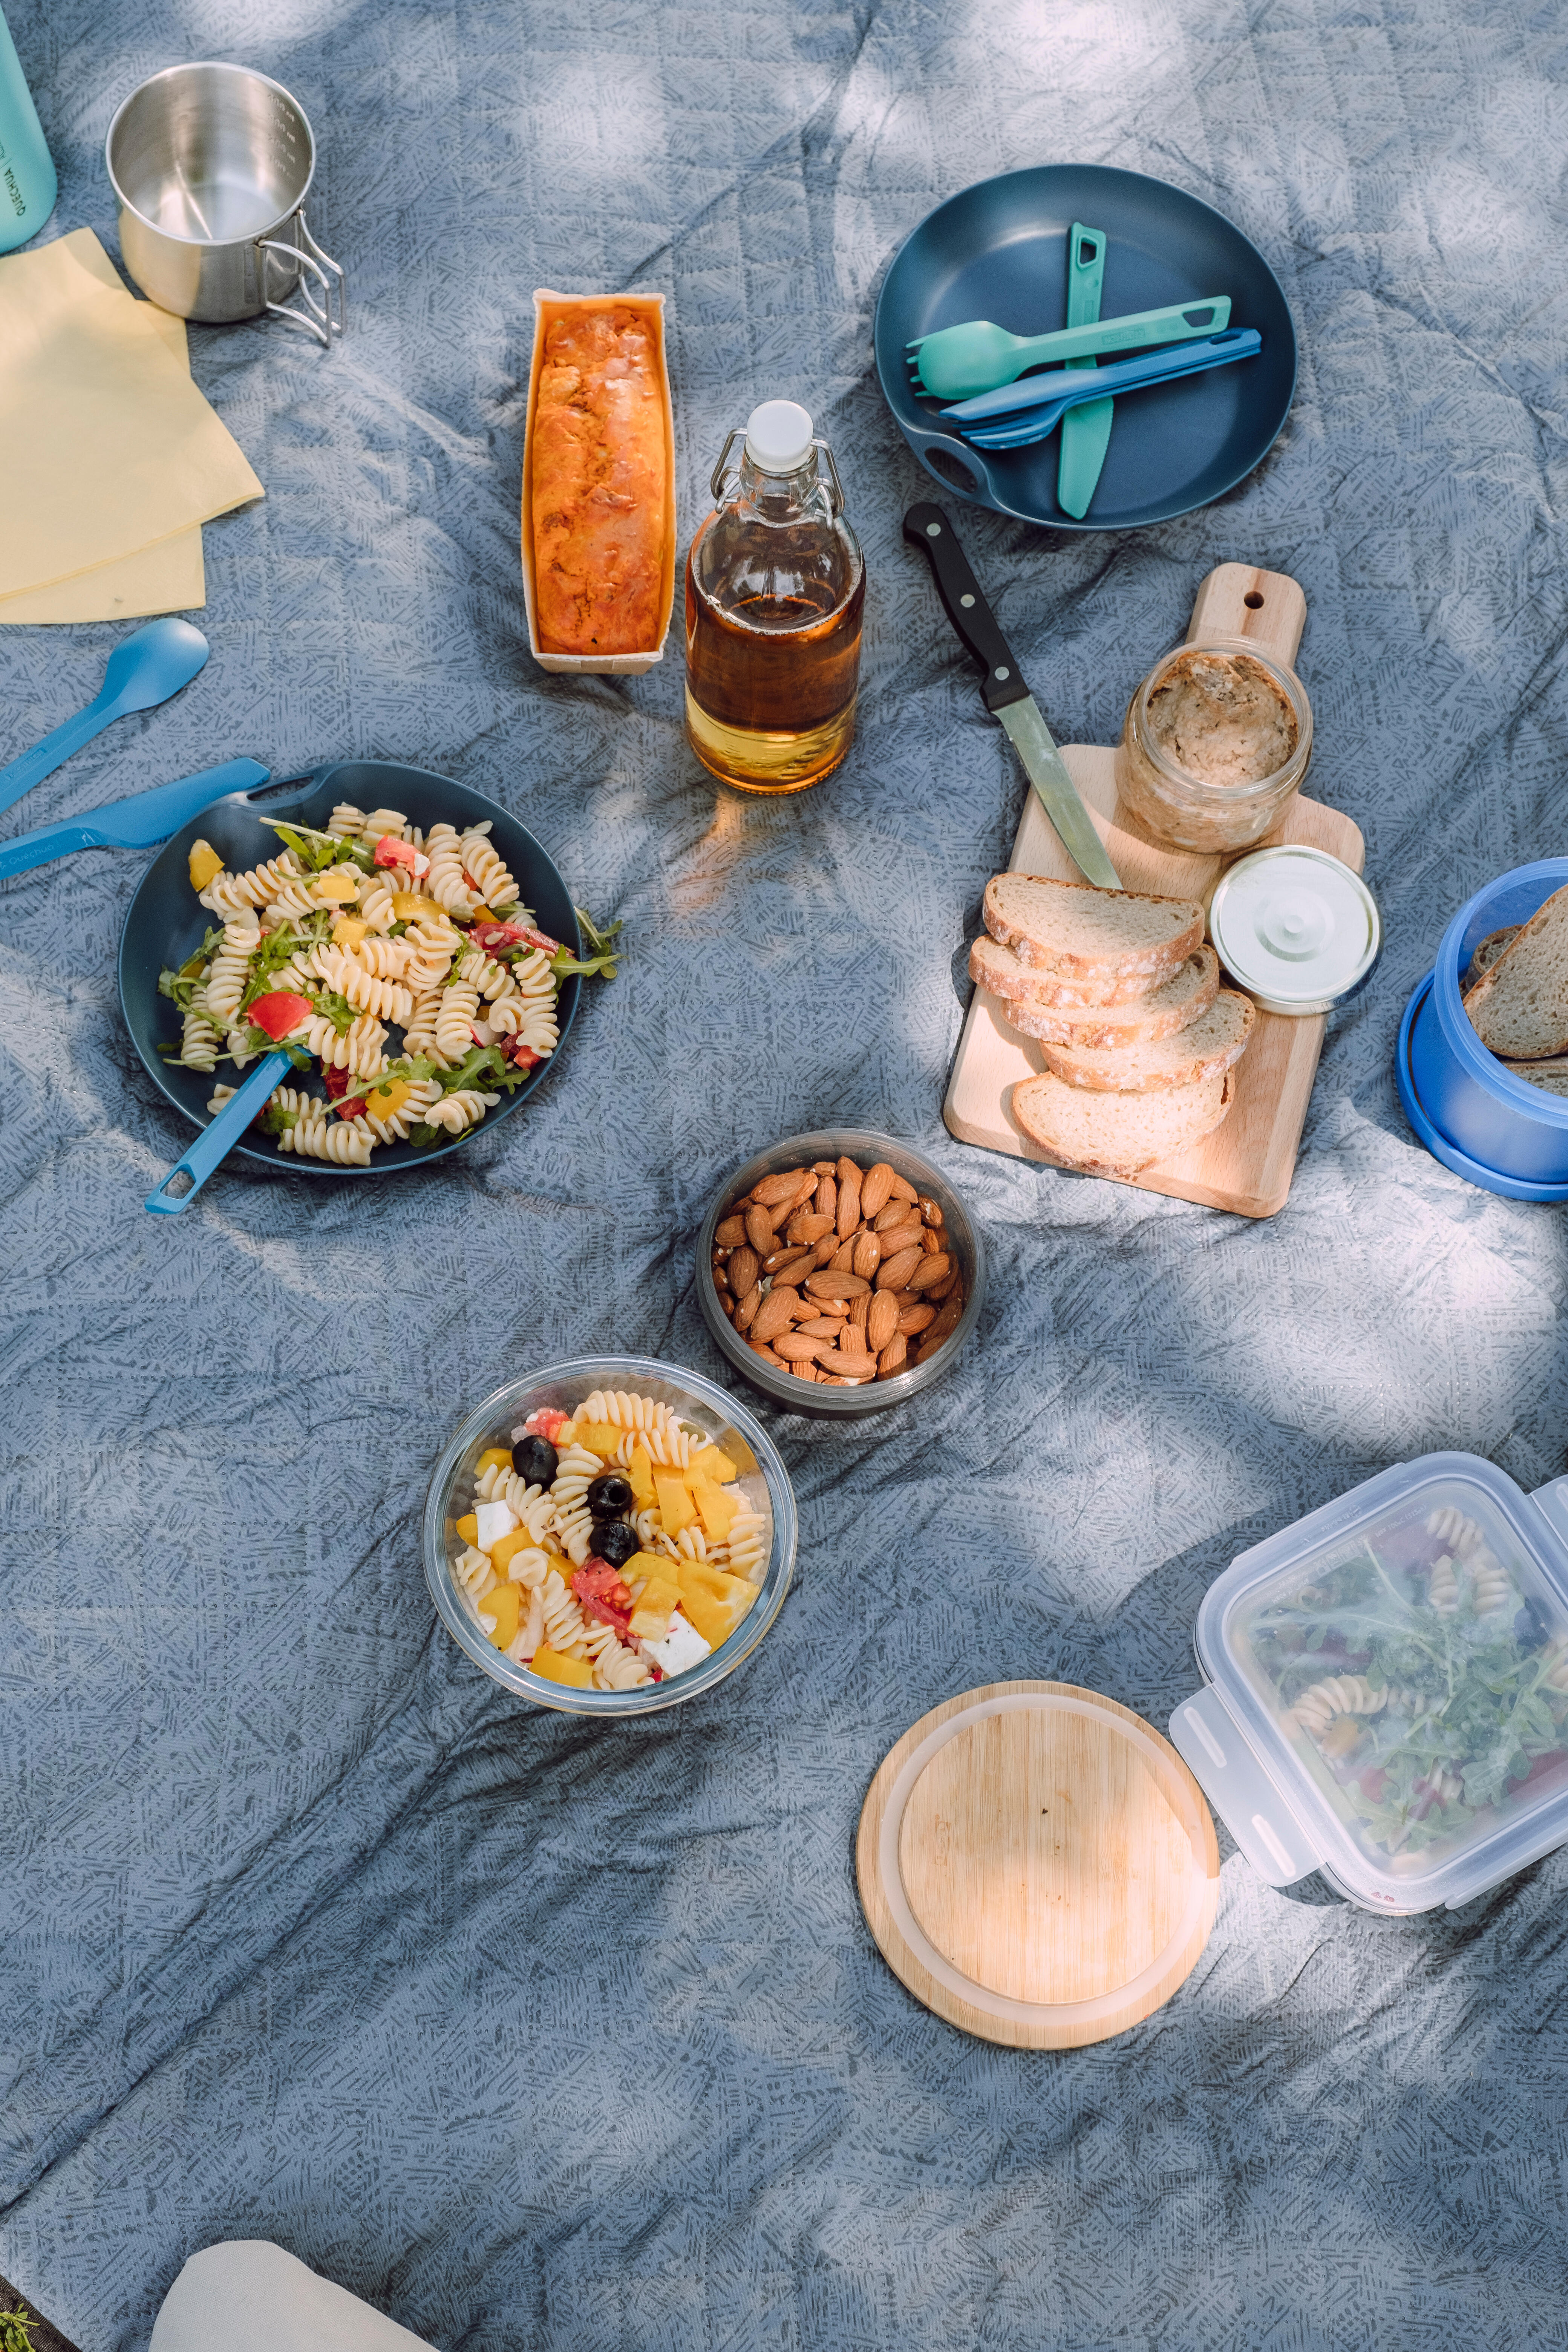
<point x="1247" y="1164"/>
<point x="1037" y="1866"/>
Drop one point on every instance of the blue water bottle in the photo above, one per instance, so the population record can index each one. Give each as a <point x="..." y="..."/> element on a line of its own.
<point x="28" y="184"/>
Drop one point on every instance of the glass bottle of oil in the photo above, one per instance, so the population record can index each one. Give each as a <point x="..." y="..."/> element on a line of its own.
<point x="775" y="590"/>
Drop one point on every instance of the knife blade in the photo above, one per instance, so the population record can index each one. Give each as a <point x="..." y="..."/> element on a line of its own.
<point x="135" y="823"/>
<point x="929" y="528"/>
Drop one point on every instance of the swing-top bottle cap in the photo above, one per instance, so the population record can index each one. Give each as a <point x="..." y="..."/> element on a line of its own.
<point x="778" y="437"/>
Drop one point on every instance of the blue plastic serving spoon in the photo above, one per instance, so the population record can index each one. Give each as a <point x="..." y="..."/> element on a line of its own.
<point x="144" y="669"/>
<point x="1031" y="411"/>
<point x="215" y="1143"/>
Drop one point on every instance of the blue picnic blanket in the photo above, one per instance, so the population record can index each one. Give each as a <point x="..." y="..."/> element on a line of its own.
<point x="544" y="2034"/>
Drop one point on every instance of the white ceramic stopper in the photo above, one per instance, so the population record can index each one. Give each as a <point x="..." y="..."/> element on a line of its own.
<point x="1296" y="928"/>
<point x="778" y="437"/>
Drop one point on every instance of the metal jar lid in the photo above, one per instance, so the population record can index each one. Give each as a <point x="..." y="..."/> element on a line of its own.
<point x="1296" y="928"/>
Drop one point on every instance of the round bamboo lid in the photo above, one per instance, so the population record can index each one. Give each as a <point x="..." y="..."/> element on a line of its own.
<point x="1037" y="1866"/>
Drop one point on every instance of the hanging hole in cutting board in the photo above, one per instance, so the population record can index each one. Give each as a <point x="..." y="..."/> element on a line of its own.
<point x="1253" y="601"/>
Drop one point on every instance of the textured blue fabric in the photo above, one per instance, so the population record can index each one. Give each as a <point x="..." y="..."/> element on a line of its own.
<point x="541" y="2035"/>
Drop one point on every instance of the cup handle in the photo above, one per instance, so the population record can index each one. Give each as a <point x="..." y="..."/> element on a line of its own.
<point x="322" y="318"/>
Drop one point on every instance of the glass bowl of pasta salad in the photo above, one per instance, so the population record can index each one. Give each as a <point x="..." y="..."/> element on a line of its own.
<point x="1387" y="1696"/>
<point x="609" y="1536"/>
<point x="406" y="942"/>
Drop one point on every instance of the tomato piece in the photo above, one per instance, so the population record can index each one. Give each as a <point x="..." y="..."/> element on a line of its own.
<point x="492" y="937"/>
<point x="390" y="851"/>
<point x="279" y="1011"/>
<point x="593" y="1585"/>
<point x="352" y="1107"/>
<point x="524" y="1056"/>
<point x="547" y="1422"/>
<point x="542" y="940"/>
<point x="338" y="1084"/>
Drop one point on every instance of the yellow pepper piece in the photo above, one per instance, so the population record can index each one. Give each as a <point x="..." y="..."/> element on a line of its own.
<point x="554" y="1668"/>
<point x="701" y="1576"/>
<point x="565" y="1436"/>
<point x="648" y="1568"/>
<point x="203" y="863"/>
<point x="381" y="1103"/>
<point x="641" y="1475"/>
<point x="711" y="1618"/>
<point x="468" y="1528"/>
<point x="504" y="1604"/>
<point x="656" y="1605"/>
<point x="712" y="1464"/>
<point x="348" y="931"/>
<point x="503" y="1552"/>
<point x="598" y="1436"/>
<point x="717" y="1509"/>
<point x="338" y="887"/>
<point x="675" y="1507"/>
<point x="406" y="904"/>
<point x="494" y="1457"/>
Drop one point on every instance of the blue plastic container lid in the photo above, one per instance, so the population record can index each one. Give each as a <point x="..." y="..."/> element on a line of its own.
<point x="1379" y="1669"/>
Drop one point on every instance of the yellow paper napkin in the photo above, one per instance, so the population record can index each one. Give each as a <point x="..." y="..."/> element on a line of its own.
<point x="169" y="578"/>
<point x="106" y="445"/>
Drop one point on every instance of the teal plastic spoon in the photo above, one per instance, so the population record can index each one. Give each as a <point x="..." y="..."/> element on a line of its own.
<point x="1085" y="431"/>
<point x="144" y="669"/>
<point x="956" y="362"/>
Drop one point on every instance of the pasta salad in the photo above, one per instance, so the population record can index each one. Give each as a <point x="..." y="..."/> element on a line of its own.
<point x="350" y="936"/>
<point x="611" y="1547"/>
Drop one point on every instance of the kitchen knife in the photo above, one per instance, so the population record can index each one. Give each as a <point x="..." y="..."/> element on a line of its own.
<point x="135" y="823"/>
<point x="1085" y="431"/>
<point x="1005" y="694"/>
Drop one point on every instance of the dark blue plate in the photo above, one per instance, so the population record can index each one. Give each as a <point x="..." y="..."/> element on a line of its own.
<point x="165" y="924"/>
<point x="998" y="251"/>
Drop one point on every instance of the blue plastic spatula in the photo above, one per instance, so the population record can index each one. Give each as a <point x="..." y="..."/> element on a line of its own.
<point x="1086" y="431"/>
<point x="144" y="669"/>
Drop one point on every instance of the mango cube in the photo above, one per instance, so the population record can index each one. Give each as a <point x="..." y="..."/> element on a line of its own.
<point x="675" y="1507"/>
<point x="648" y="1566"/>
<point x="203" y="863"/>
<point x="576" y="1671"/>
<point x="712" y="1620"/>
<point x="504" y="1604"/>
<point x="710" y="1464"/>
<point x="713" y="1599"/>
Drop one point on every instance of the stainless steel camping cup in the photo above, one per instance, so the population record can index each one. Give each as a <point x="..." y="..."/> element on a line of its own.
<point x="210" y="165"/>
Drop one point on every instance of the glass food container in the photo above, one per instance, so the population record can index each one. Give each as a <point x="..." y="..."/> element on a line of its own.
<point x="762" y="1479"/>
<point x="1387" y="1688"/>
<point x="1195" y="811"/>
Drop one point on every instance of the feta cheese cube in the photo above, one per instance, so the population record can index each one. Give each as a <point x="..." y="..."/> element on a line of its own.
<point x="494" y="1520"/>
<point x="681" y="1647"/>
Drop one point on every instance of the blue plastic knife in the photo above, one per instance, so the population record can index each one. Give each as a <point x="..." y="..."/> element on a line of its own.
<point x="135" y="823"/>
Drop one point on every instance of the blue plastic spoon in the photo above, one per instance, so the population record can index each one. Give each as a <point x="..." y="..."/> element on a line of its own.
<point x="144" y="669"/>
<point x="215" y="1143"/>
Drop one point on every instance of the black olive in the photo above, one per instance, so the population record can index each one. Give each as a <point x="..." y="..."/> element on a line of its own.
<point x="609" y="1495"/>
<point x="535" y="1461"/>
<point x="1530" y="1627"/>
<point x="613" y="1542"/>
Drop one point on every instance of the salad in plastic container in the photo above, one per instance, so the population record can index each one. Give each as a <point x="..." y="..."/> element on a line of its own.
<point x="1387" y="1696"/>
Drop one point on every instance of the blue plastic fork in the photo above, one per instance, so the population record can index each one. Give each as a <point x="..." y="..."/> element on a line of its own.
<point x="1031" y="411"/>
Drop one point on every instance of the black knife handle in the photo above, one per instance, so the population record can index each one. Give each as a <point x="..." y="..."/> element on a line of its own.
<point x="930" y="527"/>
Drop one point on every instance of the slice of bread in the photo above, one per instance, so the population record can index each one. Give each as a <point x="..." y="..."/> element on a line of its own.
<point x="1096" y="940"/>
<point x="1518" y="1009"/>
<point x="1216" y="1040"/>
<point x="1489" y="951"/>
<point x="1552" y="1077"/>
<point x="1119" y="1135"/>
<point x="1184" y="998"/>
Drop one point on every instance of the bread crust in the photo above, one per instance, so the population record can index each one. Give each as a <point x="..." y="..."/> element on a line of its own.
<point x="1543" y="939"/>
<point x="1111" y="1072"/>
<point x="597" y="472"/>
<point x="1080" y="978"/>
<point x="1138" y="1020"/>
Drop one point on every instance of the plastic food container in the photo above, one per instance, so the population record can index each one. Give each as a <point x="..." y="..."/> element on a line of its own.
<point x="547" y="307"/>
<point x="701" y="1405"/>
<point x="1190" y="811"/>
<point x="1469" y="1108"/>
<point x="1387" y="1688"/>
<point x="865" y="1145"/>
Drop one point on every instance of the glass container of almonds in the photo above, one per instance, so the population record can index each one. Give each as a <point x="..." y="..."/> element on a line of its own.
<point x="839" y="1272"/>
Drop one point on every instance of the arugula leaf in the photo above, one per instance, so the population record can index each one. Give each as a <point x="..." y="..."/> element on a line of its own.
<point x="276" y="948"/>
<point x="14" y="2326"/>
<point x="603" y="957"/>
<point x="336" y="1009"/>
<point x="485" y="1067"/>
<point x="317" y="850"/>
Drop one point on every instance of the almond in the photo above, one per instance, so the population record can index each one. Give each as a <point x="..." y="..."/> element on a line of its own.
<point x="930" y="1214"/>
<point x="729" y="1233"/>
<point x="892" y="1214"/>
<point x="771" y="1190"/>
<point x="894" y="1238"/>
<point x="881" y="1322"/>
<point x="902" y="1190"/>
<point x="860" y="1310"/>
<point x="912" y="1320"/>
<point x="843" y="1258"/>
<point x="820" y="1326"/>
<point x="848" y="1200"/>
<point x="744" y="1268"/>
<point x="804" y="1311"/>
<point x="855" y="1368"/>
<point x="931" y="1241"/>
<point x="767" y="1354"/>
<point x="807" y="1226"/>
<point x="774" y="1315"/>
<point x="804" y="1372"/>
<point x="945" y="1325"/>
<point x="746" y="1312"/>
<point x="832" y="1284"/>
<point x="931" y="1271"/>
<point x="894" y="1272"/>
<point x="827" y="1198"/>
<point x="778" y="1263"/>
<point x="826" y="1250"/>
<point x="795" y="1350"/>
<point x="875" y="1187"/>
<point x="759" y="1230"/>
<point x="941" y="1291"/>
<point x="867" y="1255"/>
<point x="825" y="1167"/>
<point x="893" y="1358"/>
